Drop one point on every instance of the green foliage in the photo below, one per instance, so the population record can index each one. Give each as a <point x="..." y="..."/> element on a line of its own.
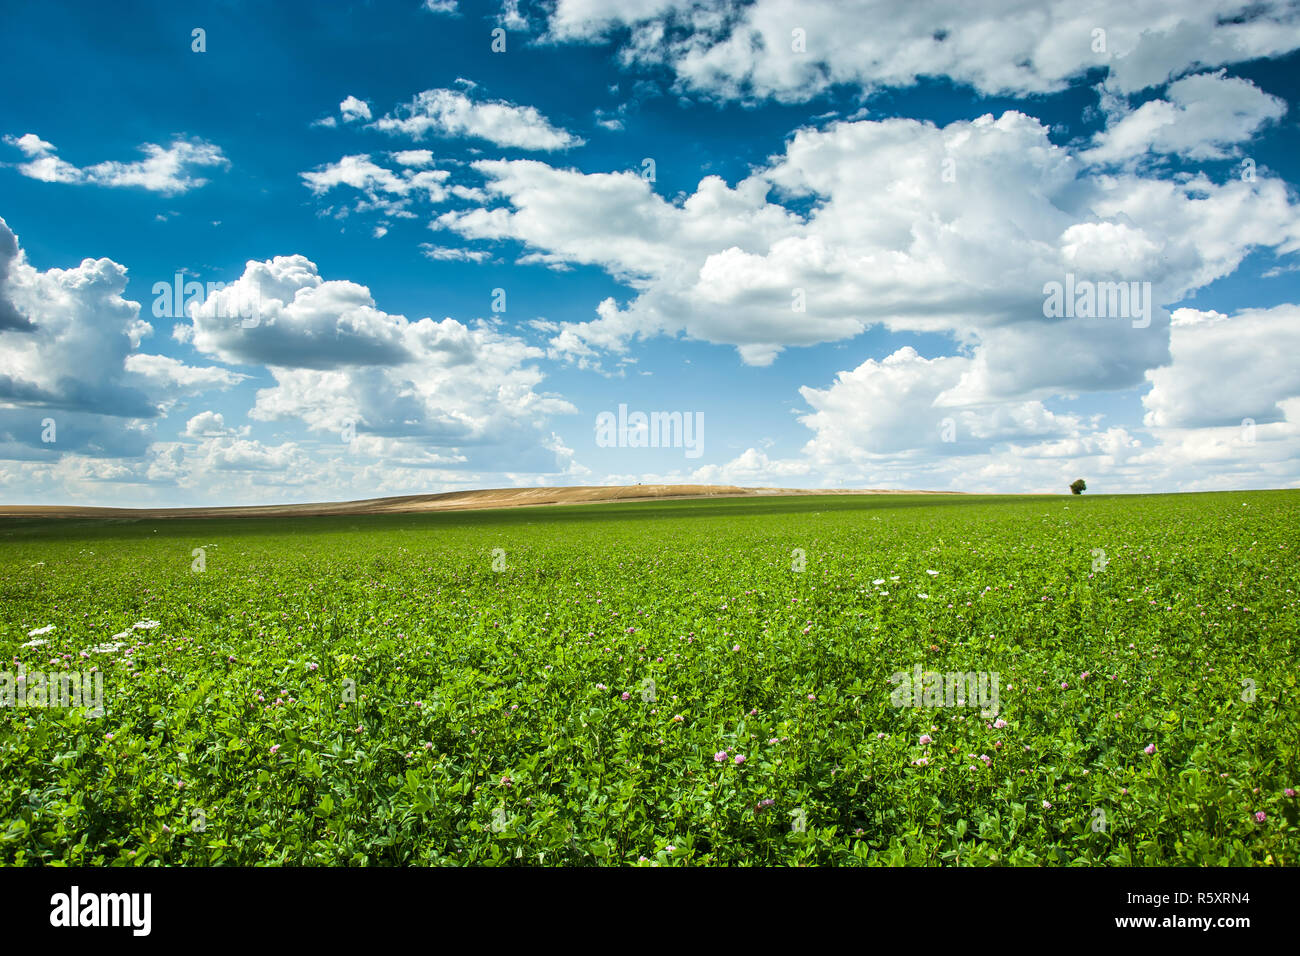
<point x="1078" y="486"/>
<point x="458" y="714"/>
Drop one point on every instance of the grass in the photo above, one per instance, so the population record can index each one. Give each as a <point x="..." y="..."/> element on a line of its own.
<point x="450" y="688"/>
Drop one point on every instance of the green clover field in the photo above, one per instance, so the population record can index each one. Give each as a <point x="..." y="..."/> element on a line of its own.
<point x="697" y="682"/>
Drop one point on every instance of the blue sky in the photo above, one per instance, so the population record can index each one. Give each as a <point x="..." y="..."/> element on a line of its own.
<point x="914" y="179"/>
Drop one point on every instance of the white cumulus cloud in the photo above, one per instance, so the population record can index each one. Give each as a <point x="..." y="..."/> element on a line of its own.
<point x="167" y="170"/>
<point x="453" y="113"/>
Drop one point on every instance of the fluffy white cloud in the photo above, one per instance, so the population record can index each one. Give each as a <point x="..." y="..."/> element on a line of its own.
<point x="794" y="49"/>
<point x="954" y="230"/>
<point x="73" y="357"/>
<point x="455" y="114"/>
<point x="353" y="109"/>
<point x="31" y="144"/>
<point x="897" y="405"/>
<point x="392" y="405"/>
<point x="510" y="17"/>
<point x="1223" y="413"/>
<point x="179" y="377"/>
<point x="207" y="425"/>
<point x="1226" y="370"/>
<point x="237" y="465"/>
<point x="10" y="318"/>
<point x="166" y="170"/>
<point x="296" y="319"/>
<point x="339" y="362"/>
<point x="1226" y="457"/>
<point x="389" y="191"/>
<point x="1201" y="117"/>
<point x="74" y="361"/>
<point x="412" y="157"/>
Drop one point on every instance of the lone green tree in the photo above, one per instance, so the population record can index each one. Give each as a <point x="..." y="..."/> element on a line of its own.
<point x="1078" y="486"/>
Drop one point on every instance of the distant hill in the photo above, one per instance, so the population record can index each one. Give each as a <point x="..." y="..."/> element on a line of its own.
<point x="448" y="501"/>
